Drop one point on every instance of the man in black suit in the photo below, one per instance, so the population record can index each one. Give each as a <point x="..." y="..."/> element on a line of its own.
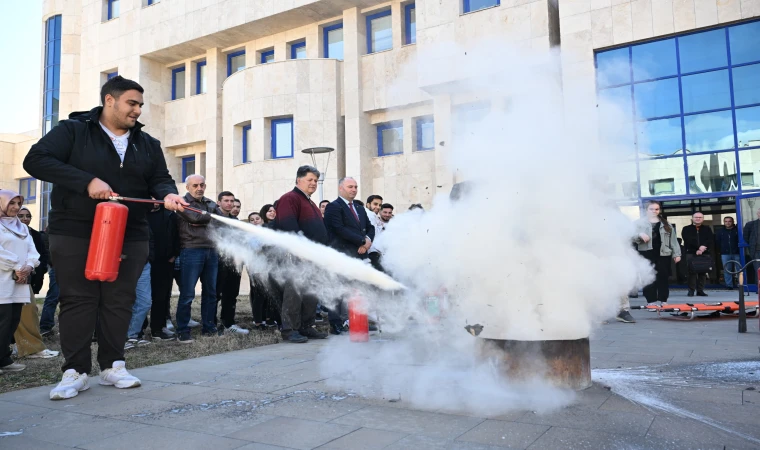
<point x="349" y="231"/>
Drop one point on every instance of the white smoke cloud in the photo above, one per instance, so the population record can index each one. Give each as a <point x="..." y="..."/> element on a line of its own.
<point x="536" y="251"/>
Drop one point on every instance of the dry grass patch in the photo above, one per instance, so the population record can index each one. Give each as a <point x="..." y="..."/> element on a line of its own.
<point x="40" y="372"/>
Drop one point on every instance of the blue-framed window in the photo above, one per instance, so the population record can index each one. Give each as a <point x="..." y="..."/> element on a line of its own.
<point x="333" y="41"/>
<point x="235" y="62"/>
<point x="178" y="83"/>
<point x="246" y="141"/>
<point x="379" y="32"/>
<point x="267" y="56"/>
<point x="200" y="77"/>
<point x="282" y="138"/>
<point x="390" y="138"/>
<point x="474" y="5"/>
<point x="298" y="50"/>
<point x="52" y="74"/>
<point x="410" y="24"/>
<point x="27" y="187"/>
<point x="110" y="75"/>
<point x="188" y="167"/>
<point x="693" y="102"/>
<point x="425" y="133"/>
<point x="113" y="9"/>
<point x="47" y="189"/>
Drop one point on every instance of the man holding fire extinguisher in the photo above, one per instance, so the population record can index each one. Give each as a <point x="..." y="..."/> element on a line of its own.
<point x="88" y="157"/>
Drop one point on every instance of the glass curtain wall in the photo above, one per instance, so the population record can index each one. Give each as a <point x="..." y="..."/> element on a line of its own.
<point x="693" y="107"/>
<point x="50" y="97"/>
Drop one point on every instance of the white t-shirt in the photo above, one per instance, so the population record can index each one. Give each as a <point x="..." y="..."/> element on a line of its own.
<point x="119" y="142"/>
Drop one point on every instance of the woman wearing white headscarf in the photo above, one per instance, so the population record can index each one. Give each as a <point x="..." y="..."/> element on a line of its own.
<point x="18" y="258"/>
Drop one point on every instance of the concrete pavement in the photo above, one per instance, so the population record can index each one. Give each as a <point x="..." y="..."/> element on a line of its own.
<point x="658" y="384"/>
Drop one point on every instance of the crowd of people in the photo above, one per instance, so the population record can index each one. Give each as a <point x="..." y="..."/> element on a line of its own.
<point x="656" y="241"/>
<point x="97" y="153"/>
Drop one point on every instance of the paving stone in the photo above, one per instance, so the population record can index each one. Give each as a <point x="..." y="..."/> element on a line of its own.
<point x="158" y="438"/>
<point x="217" y="420"/>
<point x="665" y="427"/>
<point x="586" y="419"/>
<point x="409" y="421"/>
<point x="751" y="397"/>
<point x="642" y="359"/>
<point x="10" y="412"/>
<point x="592" y="397"/>
<point x="22" y="442"/>
<point x="294" y="433"/>
<point x="321" y="408"/>
<point x="710" y="395"/>
<point x="507" y="417"/>
<point x="365" y="439"/>
<point x="618" y="403"/>
<point x="258" y="446"/>
<point x="177" y="375"/>
<point x="266" y="383"/>
<point x="504" y="434"/>
<point x="724" y="414"/>
<point x="214" y="396"/>
<point x="70" y="429"/>
<point x="125" y="408"/>
<point x="172" y="392"/>
<point x="420" y="442"/>
<point x="558" y="438"/>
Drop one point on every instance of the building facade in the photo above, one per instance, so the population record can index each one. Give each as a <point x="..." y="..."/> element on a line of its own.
<point x="235" y="90"/>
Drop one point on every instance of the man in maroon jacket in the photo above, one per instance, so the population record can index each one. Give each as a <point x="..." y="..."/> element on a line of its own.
<point x="296" y="212"/>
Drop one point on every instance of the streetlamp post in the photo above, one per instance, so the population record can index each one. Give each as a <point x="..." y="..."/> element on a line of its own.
<point x="322" y="172"/>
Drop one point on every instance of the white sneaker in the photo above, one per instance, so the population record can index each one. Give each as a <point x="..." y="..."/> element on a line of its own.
<point x="193" y="324"/>
<point x="169" y="325"/>
<point x="167" y="331"/>
<point x="118" y="376"/>
<point x="70" y="386"/>
<point x="130" y="344"/>
<point x="237" y="329"/>
<point x="142" y="343"/>
<point x="45" y="354"/>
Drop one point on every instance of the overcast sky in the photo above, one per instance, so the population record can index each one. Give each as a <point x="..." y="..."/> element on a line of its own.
<point x="21" y="56"/>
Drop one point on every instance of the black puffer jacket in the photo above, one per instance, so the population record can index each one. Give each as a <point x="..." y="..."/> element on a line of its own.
<point x="78" y="150"/>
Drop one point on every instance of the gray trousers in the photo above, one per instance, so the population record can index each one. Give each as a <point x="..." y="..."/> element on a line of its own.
<point x="299" y="310"/>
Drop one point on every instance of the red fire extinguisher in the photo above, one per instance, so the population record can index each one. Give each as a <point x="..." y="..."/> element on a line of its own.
<point x="358" y="323"/>
<point x="106" y="242"/>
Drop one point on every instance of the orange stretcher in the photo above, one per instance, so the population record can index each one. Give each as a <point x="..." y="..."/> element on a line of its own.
<point x="688" y="311"/>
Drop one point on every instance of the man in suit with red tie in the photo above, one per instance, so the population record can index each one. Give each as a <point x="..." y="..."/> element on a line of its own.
<point x="349" y="231"/>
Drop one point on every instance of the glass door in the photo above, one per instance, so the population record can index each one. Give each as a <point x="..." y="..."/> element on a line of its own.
<point x="748" y="211"/>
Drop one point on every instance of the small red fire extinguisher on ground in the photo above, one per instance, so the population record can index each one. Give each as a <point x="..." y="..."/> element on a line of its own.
<point x="358" y="323"/>
<point x="106" y="242"/>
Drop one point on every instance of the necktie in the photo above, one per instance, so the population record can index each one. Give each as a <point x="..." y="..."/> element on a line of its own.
<point x="356" y="216"/>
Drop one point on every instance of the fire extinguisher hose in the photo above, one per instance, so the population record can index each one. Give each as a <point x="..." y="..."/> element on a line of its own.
<point x="151" y="201"/>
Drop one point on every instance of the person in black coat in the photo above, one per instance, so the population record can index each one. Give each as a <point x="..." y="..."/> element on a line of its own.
<point x="38" y="277"/>
<point x="163" y="224"/>
<point x="349" y="231"/>
<point x="87" y="158"/>
<point x="348" y="228"/>
<point x="698" y="239"/>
